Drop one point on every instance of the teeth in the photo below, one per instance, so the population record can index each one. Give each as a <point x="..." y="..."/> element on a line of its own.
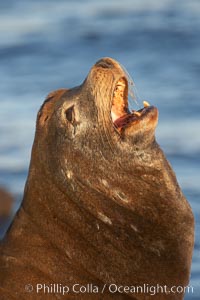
<point x="121" y="82"/>
<point x="120" y="87"/>
<point x="146" y="104"/>
<point x="137" y="113"/>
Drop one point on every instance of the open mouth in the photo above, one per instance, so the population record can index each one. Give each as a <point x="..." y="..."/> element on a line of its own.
<point x="121" y="115"/>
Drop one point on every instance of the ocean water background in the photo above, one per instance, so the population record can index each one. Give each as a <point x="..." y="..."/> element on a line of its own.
<point x="46" y="45"/>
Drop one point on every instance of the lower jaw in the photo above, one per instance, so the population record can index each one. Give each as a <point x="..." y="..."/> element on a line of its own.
<point x="143" y="124"/>
<point x="127" y="119"/>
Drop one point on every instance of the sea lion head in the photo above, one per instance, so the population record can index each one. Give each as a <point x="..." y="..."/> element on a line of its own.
<point x="95" y="118"/>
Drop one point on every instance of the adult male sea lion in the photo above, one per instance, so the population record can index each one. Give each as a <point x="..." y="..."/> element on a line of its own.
<point x="101" y="204"/>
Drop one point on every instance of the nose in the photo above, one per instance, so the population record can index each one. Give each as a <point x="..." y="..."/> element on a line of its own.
<point x="106" y="63"/>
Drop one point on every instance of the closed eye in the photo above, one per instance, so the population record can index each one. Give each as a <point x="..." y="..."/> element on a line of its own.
<point x="70" y="115"/>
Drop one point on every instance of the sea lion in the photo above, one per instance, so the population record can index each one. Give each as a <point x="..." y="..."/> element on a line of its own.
<point x="101" y="205"/>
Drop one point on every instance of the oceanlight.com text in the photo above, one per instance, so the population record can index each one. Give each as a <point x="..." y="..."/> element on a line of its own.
<point x="90" y="288"/>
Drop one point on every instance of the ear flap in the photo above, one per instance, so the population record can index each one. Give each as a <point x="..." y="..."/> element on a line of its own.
<point x="46" y="108"/>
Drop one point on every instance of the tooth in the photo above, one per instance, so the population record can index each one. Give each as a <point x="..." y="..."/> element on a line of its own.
<point x="137" y="113"/>
<point x="146" y="104"/>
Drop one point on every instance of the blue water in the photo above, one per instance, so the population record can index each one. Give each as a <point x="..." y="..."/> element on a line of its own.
<point x="45" y="45"/>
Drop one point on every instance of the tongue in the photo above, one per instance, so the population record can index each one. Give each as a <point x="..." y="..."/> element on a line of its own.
<point x="124" y="120"/>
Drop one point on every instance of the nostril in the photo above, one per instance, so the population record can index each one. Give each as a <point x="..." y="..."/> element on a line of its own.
<point x="104" y="63"/>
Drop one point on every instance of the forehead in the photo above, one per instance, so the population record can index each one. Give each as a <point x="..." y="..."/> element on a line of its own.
<point x="48" y="105"/>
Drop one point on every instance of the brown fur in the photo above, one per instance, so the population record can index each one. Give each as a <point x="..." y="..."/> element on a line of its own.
<point x="98" y="207"/>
